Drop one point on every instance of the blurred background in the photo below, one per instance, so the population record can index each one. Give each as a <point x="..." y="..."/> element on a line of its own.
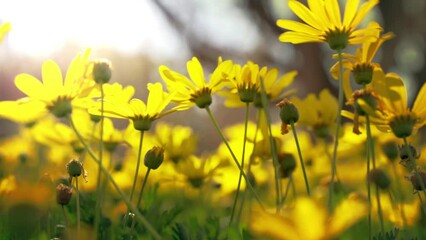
<point x="139" y="36"/>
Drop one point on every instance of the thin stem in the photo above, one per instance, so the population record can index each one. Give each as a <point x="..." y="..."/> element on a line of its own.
<point x="143" y="187"/>
<point x="399" y="190"/>
<point x="135" y="178"/>
<point x="370" y="144"/>
<point x="99" y="181"/>
<point x="287" y="189"/>
<point x="65" y="215"/>
<point x="302" y="163"/>
<point x="242" y="164"/>
<point x="216" y="125"/>
<point x="78" y="206"/>
<point x="129" y="204"/>
<point x="274" y="151"/>
<point x="336" y="135"/>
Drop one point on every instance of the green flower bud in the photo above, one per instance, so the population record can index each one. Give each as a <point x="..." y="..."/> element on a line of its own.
<point x="390" y="149"/>
<point x="287" y="164"/>
<point x="95" y="118"/>
<point x="288" y="112"/>
<point x="102" y="71"/>
<point x="154" y="157"/>
<point x="63" y="194"/>
<point x="380" y="178"/>
<point x="75" y="168"/>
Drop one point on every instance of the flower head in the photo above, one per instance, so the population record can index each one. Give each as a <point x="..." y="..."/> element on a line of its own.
<point x="56" y="94"/>
<point x="323" y="23"/>
<point x="141" y="114"/>
<point x="196" y="90"/>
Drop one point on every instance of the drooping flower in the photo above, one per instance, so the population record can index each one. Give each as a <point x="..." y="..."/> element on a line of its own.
<point x="323" y="23"/>
<point x="55" y="93"/>
<point x="196" y="90"/>
<point x="361" y="64"/>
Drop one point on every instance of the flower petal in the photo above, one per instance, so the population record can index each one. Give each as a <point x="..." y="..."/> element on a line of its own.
<point x="333" y="10"/>
<point x="362" y="12"/>
<point x="29" y="85"/>
<point x="305" y="14"/>
<point x="196" y="72"/>
<point x="298" y="27"/>
<point x="419" y="107"/>
<point x="298" y="37"/>
<point x="52" y="77"/>
<point x="350" y="10"/>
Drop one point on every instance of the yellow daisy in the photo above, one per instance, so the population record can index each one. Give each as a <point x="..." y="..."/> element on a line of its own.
<point x="55" y="93"/>
<point x="196" y="90"/>
<point x="141" y="114"/>
<point x="323" y="23"/>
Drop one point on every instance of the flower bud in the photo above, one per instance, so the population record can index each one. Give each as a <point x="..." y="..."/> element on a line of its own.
<point x="102" y="71"/>
<point x="380" y="178"/>
<point x="75" y="168"/>
<point x="288" y="112"/>
<point x="63" y="194"/>
<point x="390" y="149"/>
<point x="154" y="157"/>
<point x="408" y="156"/>
<point x="287" y="164"/>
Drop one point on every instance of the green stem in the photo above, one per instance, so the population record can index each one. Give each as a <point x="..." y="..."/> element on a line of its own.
<point x="145" y="179"/>
<point x="216" y="125"/>
<point x="78" y="206"/>
<point x="242" y="165"/>
<point x="370" y="144"/>
<point x="302" y="163"/>
<point x="287" y="189"/>
<point x="135" y="178"/>
<point x="129" y="204"/>
<point x="274" y="151"/>
<point x="99" y="182"/>
<point x="65" y="215"/>
<point x="336" y="135"/>
<point x="399" y="190"/>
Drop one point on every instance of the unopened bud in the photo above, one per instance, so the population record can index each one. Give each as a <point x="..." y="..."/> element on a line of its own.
<point x="154" y="157"/>
<point x="102" y="71"/>
<point x="288" y="112"/>
<point x="63" y="194"/>
<point x="380" y="178"/>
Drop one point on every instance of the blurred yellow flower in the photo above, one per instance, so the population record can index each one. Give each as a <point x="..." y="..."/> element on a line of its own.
<point x="323" y="23"/>
<point x="308" y="220"/>
<point x="317" y="112"/>
<point x="4" y="29"/>
<point x="196" y="91"/>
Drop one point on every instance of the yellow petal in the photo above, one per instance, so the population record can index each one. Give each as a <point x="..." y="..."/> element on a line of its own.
<point x="362" y="12"/>
<point x="305" y="14"/>
<point x="196" y="73"/>
<point x="298" y="27"/>
<point x="333" y="10"/>
<point x="347" y="213"/>
<point x="285" y="81"/>
<point x="350" y="10"/>
<point x="52" y="77"/>
<point x="309" y="219"/>
<point x="318" y="9"/>
<point x="29" y="85"/>
<point x="170" y="77"/>
<point x="269" y="225"/>
<point x="419" y="107"/>
<point x="297" y="37"/>
<point x="138" y="107"/>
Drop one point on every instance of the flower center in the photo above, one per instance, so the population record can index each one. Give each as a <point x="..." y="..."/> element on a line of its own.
<point x="337" y="39"/>
<point x="61" y="107"/>
<point x="247" y="92"/>
<point x="402" y="125"/>
<point x="363" y="73"/>
<point x="202" y="97"/>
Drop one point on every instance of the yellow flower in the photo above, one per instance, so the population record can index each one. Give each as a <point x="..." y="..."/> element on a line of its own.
<point x="195" y="91"/>
<point x="23" y="111"/>
<point x="308" y="220"/>
<point x="55" y="93"/>
<point x="317" y="112"/>
<point x="361" y="64"/>
<point x="393" y="114"/>
<point x="323" y="23"/>
<point x="141" y="114"/>
<point x="4" y="29"/>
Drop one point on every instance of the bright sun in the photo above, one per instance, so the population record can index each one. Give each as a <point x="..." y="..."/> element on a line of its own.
<point x="43" y="26"/>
